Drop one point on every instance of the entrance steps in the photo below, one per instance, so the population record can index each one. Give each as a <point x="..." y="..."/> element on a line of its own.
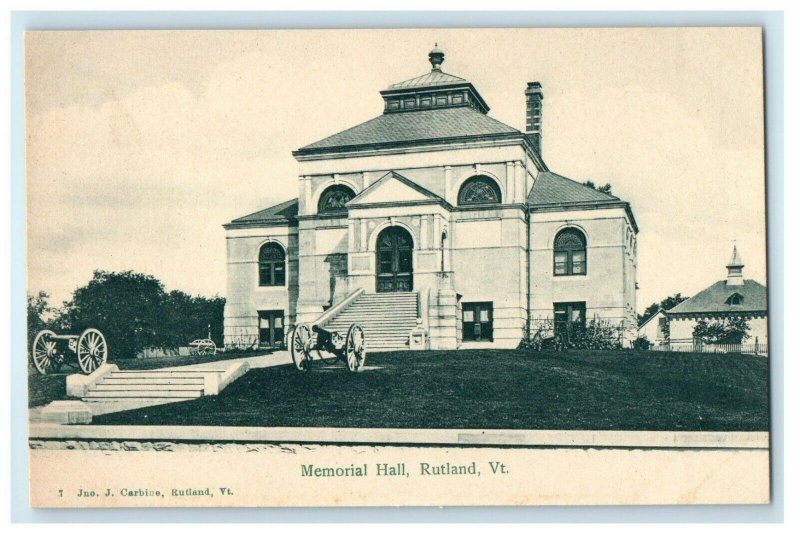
<point x="387" y="319"/>
<point x="108" y="389"/>
<point x="147" y="385"/>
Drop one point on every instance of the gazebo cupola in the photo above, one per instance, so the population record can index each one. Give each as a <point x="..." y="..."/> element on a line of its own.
<point x="735" y="266"/>
<point x="433" y="90"/>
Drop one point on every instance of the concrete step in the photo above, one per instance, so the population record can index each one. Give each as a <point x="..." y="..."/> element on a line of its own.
<point x="148" y="387"/>
<point x="389" y="314"/>
<point x="139" y="380"/>
<point x="129" y="375"/>
<point x="385" y="324"/>
<point x="346" y="320"/>
<point x="395" y="296"/>
<point x="95" y="394"/>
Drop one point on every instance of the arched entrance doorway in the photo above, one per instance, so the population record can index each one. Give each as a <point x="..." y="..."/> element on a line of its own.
<point x="394" y="262"/>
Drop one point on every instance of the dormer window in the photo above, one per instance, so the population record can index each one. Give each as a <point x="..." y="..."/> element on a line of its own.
<point x="735" y="300"/>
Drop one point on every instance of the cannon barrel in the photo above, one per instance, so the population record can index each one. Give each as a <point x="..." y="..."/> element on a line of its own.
<point x="317" y="328"/>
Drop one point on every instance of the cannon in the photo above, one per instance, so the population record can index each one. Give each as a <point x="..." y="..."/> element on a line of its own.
<point x="203" y="347"/>
<point x="50" y="351"/>
<point x="349" y="348"/>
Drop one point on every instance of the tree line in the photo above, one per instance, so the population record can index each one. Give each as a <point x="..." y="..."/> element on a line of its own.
<point x="134" y="312"/>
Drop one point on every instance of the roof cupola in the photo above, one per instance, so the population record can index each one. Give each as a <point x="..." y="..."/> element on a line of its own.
<point x="436" y="57"/>
<point x="433" y="90"/>
<point x="735" y="266"/>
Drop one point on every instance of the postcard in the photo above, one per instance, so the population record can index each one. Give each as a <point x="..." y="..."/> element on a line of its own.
<point x="420" y="267"/>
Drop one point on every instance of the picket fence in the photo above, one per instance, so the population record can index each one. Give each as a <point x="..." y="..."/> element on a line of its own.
<point x="757" y="347"/>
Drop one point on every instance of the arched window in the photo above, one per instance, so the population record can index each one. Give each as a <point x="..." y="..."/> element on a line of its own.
<point x="569" y="253"/>
<point x="479" y="190"/>
<point x="271" y="265"/>
<point x="334" y="199"/>
<point x="735" y="300"/>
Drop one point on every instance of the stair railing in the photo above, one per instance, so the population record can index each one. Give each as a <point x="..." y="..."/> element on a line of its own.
<point x="337" y="308"/>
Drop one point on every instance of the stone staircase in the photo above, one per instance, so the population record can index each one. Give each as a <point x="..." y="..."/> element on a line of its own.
<point x="170" y="385"/>
<point x="387" y="319"/>
<point x="110" y="390"/>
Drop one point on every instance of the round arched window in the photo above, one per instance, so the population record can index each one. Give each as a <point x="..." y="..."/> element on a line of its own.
<point x="479" y="190"/>
<point x="271" y="265"/>
<point x="569" y="253"/>
<point x="334" y="198"/>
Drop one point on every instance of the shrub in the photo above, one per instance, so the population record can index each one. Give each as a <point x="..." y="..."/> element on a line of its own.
<point x="642" y="343"/>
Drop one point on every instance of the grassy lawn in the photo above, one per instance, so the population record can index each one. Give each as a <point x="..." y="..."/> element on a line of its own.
<point x="43" y="389"/>
<point x="493" y="389"/>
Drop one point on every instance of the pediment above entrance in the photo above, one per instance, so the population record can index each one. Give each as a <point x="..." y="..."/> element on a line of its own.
<point x="394" y="188"/>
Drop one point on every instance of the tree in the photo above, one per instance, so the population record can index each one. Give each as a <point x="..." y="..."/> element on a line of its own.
<point x="134" y="312"/>
<point x="127" y="307"/>
<point x="191" y="317"/>
<point x="733" y="330"/>
<point x="666" y="304"/>
<point x="38" y="311"/>
<point x="603" y="188"/>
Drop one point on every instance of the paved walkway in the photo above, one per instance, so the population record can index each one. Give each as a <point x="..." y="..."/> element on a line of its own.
<point x="255" y="362"/>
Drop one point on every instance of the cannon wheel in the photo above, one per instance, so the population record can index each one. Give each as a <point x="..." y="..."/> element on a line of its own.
<point x="92" y="350"/>
<point x="205" y="347"/>
<point x="354" y="350"/>
<point x="301" y="347"/>
<point x="45" y="353"/>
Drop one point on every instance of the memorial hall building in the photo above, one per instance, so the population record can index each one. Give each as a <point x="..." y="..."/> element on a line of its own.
<point x="433" y="226"/>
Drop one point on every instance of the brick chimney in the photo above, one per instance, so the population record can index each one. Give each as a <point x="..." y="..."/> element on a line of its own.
<point x="533" y="114"/>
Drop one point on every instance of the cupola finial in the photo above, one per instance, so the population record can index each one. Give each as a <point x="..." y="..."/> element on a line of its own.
<point x="436" y="57"/>
<point x="735" y="267"/>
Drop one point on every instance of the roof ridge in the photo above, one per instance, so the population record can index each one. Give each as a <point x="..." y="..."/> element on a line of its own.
<point x="421" y="125"/>
<point x="612" y="197"/>
<point x="270" y="209"/>
<point x="431" y="74"/>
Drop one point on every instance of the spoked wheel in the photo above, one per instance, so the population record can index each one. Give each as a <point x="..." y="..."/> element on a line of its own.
<point x="205" y="347"/>
<point x="45" y="354"/>
<point x="301" y="347"/>
<point x="92" y="350"/>
<point x="354" y="349"/>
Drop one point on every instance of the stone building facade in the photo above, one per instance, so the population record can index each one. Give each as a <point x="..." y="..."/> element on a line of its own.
<point x="436" y="198"/>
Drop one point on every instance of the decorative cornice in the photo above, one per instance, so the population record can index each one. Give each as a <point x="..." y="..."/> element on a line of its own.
<point x="258" y="224"/>
<point x="589" y="205"/>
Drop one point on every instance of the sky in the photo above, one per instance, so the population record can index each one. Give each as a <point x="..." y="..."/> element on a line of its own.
<point x="141" y="145"/>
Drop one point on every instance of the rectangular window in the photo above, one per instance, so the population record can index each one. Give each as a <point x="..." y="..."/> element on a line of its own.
<point x="570" y="317"/>
<point x="272" y="273"/>
<point x="579" y="262"/>
<point x="279" y="274"/>
<point x="270" y="328"/>
<point x="561" y="263"/>
<point x="478" y="321"/>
